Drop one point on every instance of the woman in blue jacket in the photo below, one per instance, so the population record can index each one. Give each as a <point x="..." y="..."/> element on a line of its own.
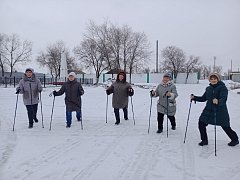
<point x="215" y="111"/>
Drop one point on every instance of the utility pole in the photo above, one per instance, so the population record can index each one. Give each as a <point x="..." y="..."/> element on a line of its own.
<point x="157" y="56"/>
<point x="214" y="63"/>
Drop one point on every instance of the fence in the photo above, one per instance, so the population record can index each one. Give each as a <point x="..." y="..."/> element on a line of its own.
<point x="13" y="81"/>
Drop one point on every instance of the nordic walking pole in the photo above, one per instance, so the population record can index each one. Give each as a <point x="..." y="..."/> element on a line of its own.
<point x="14" y="119"/>
<point x="132" y="111"/>
<point x="81" y="116"/>
<point x="41" y="108"/>
<point x="167" y="114"/>
<point x="187" y="121"/>
<point x="50" y="128"/>
<point x="150" y="115"/>
<point x="215" y="128"/>
<point x="107" y="109"/>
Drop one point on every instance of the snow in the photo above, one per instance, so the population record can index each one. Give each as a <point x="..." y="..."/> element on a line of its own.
<point x="104" y="151"/>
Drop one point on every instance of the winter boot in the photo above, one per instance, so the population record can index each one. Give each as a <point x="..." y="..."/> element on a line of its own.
<point x="159" y="131"/>
<point x="30" y="126"/>
<point x="233" y="143"/>
<point x="203" y="143"/>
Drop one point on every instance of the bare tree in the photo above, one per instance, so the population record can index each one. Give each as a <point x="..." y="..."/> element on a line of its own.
<point x="113" y="48"/>
<point x="51" y="58"/>
<point x="191" y="65"/>
<point x="174" y="59"/>
<point x="89" y="52"/>
<point x="15" y="51"/>
<point x="2" y="60"/>
<point x="205" y="70"/>
<point x="218" y="69"/>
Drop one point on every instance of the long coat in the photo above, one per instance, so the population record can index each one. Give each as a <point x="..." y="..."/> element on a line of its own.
<point x="120" y="94"/>
<point x="73" y="91"/>
<point x="220" y="92"/>
<point x="166" y="105"/>
<point x="30" y="88"/>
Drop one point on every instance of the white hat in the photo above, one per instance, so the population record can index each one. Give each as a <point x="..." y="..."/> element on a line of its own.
<point x="72" y="74"/>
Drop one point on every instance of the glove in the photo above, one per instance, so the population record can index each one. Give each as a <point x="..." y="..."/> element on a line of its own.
<point x="215" y="101"/>
<point x="130" y="91"/>
<point x="18" y="90"/>
<point x="108" y="92"/>
<point x="192" y="97"/>
<point x="54" y="93"/>
<point x="152" y="93"/>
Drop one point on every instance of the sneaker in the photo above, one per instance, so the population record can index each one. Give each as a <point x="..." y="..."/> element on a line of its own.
<point x="203" y="143"/>
<point x="36" y="120"/>
<point x="30" y="126"/>
<point x="68" y="126"/>
<point x="233" y="143"/>
<point x="159" y="131"/>
<point x="173" y="127"/>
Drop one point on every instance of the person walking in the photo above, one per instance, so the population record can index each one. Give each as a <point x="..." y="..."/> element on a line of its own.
<point x="30" y="86"/>
<point x="215" y="111"/>
<point x="167" y="93"/>
<point x="73" y="91"/>
<point x="121" y="89"/>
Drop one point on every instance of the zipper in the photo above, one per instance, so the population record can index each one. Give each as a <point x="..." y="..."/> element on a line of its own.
<point x="30" y="91"/>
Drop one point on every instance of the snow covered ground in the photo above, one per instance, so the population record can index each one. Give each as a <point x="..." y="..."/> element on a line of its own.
<point x="104" y="151"/>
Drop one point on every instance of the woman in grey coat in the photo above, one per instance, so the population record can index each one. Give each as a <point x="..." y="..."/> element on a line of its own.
<point x="73" y="91"/>
<point x="30" y="87"/>
<point x="121" y="90"/>
<point x="167" y="93"/>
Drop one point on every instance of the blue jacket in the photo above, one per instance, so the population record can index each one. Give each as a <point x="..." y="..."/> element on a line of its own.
<point x="220" y="92"/>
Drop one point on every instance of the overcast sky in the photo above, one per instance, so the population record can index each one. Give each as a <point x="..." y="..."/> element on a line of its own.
<point x="204" y="28"/>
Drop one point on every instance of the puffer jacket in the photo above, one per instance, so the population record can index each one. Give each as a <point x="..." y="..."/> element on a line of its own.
<point x="162" y="106"/>
<point x="30" y="88"/>
<point x="212" y="111"/>
<point x="73" y="91"/>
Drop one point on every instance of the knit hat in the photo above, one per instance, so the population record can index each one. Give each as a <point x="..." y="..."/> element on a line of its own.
<point x="214" y="75"/>
<point x="72" y="74"/>
<point x="167" y="75"/>
<point x="29" y="69"/>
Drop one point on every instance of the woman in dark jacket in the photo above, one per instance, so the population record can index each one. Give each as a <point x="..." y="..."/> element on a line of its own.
<point x="73" y="91"/>
<point x="121" y="90"/>
<point x="215" y="111"/>
<point x="30" y="87"/>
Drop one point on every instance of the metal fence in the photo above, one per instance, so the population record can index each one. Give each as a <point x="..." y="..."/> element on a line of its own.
<point x="46" y="81"/>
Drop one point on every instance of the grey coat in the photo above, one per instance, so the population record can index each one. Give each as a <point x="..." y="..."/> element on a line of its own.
<point x="73" y="91"/>
<point x="162" y="106"/>
<point x="30" y="88"/>
<point x="120" y="94"/>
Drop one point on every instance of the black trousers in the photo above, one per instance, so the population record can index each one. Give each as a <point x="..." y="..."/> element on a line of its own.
<point x="117" y="116"/>
<point x="32" y="112"/>
<point x="160" y="118"/>
<point x="228" y="130"/>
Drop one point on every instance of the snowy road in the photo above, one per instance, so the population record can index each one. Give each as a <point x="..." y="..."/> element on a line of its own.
<point x="107" y="152"/>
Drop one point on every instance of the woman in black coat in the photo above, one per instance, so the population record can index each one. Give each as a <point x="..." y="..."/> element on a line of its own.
<point x="215" y="111"/>
<point x="73" y="91"/>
